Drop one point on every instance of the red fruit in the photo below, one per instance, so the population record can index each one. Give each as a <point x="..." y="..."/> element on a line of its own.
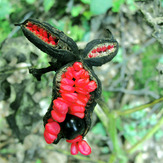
<point x="94" y="50"/>
<point x="80" y="115"/>
<point x="77" y="108"/>
<point x="82" y="82"/>
<point x="60" y="106"/>
<point x="80" y="102"/>
<point x="50" y="120"/>
<point x="77" y="139"/>
<point x="71" y="97"/>
<point x="77" y="74"/>
<point x="90" y="55"/>
<point x="49" y="138"/>
<point x="67" y="81"/>
<point x="68" y="88"/>
<point x="74" y="149"/>
<point x="69" y="74"/>
<point x="35" y="27"/>
<point x="85" y="74"/>
<point x="52" y="42"/>
<point x="57" y="116"/>
<point x="84" y="98"/>
<point x="84" y="148"/>
<point x="77" y="66"/>
<point x="81" y="90"/>
<point x="53" y="128"/>
<point x="91" y="86"/>
<point x="51" y="38"/>
<point x="44" y="33"/>
<point x="41" y="31"/>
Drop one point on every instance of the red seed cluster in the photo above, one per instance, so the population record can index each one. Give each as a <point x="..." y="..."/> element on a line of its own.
<point x="75" y="91"/>
<point x="95" y="52"/>
<point x="42" y="33"/>
<point x="79" y="145"/>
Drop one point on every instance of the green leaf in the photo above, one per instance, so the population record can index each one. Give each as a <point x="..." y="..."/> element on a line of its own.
<point x="86" y="1"/>
<point x="30" y="1"/>
<point x="76" y="10"/>
<point x="116" y="5"/>
<point x="99" y="129"/>
<point x="5" y="9"/>
<point x="100" y="6"/>
<point x="48" y="4"/>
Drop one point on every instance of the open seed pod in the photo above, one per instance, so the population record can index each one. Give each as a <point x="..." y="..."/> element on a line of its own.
<point x="50" y="40"/>
<point x="100" y="51"/>
<point x="75" y="90"/>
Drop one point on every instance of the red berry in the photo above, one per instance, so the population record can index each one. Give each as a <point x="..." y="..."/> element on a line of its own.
<point x="57" y="116"/>
<point x="77" y="108"/>
<point x="49" y="138"/>
<point x="53" y="128"/>
<point x="80" y="115"/>
<point x="91" y="86"/>
<point x="77" y="139"/>
<point x="71" y="97"/>
<point x="84" y="148"/>
<point x="74" y="149"/>
<point x="60" y="106"/>
<point x="67" y="81"/>
<point x="77" y="66"/>
<point x="81" y="82"/>
<point x="68" y="88"/>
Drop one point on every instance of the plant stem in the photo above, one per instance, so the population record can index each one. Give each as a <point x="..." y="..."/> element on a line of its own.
<point x="129" y="111"/>
<point x="147" y="136"/>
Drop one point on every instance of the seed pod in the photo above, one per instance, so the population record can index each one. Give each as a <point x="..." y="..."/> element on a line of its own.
<point x="50" y="40"/>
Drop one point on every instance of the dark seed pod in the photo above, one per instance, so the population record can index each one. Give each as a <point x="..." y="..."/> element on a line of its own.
<point x="50" y="40"/>
<point x="75" y="86"/>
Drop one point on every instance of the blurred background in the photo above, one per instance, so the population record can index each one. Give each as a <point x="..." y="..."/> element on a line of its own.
<point x="127" y="126"/>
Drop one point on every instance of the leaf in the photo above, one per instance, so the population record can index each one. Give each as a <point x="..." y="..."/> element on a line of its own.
<point x="48" y="4"/>
<point x="99" y="129"/>
<point x="100" y="7"/>
<point x="30" y="1"/>
<point x="116" y="5"/>
<point x="86" y="1"/>
<point x="5" y="9"/>
<point x="76" y="10"/>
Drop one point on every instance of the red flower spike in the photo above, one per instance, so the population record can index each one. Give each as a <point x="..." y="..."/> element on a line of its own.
<point x="84" y="148"/>
<point x="82" y="82"/>
<point x="77" y="139"/>
<point x="77" y="108"/>
<point x="91" y="86"/>
<point x="74" y="148"/>
<point x="80" y="115"/>
<point x="71" y="97"/>
<point x="53" y="128"/>
<point x="77" y="66"/>
<point x="68" y="88"/>
<point x="57" y="116"/>
<point x="50" y="120"/>
<point x="67" y="81"/>
<point x="81" y="90"/>
<point x="49" y="138"/>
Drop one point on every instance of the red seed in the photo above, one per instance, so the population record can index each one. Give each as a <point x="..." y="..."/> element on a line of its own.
<point x="71" y="97"/>
<point x="67" y="88"/>
<point x="80" y="115"/>
<point x="104" y="48"/>
<point x="36" y="33"/>
<point x="77" y="108"/>
<point x="84" y="148"/>
<point x="58" y="117"/>
<point x="81" y="90"/>
<point x="41" y="31"/>
<point x="44" y="33"/>
<point x="82" y="82"/>
<point x="94" y="51"/>
<point x="51" y="38"/>
<point x="80" y="102"/>
<point x="74" y="149"/>
<point x="84" y="98"/>
<point x="60" y="106"/>
<point x="50" y="120"/>
<point x="49" y="138"/>
<point x="67" y="81"/>
<point x="35" y="27"/>
<point x="91" y="86"/>
<point x="69" y="74"/>
<point x="85" y="74"/>
<point x="29" y="24"/>
<point x="77" y="66"/>
<point x="90" y="55"/>
<point x="77" y="139"/>
<point x="45" y="39"/>
<point x="52" y="42"/>
<point x="78" y="74"/>
<point x="53" y="128"/>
